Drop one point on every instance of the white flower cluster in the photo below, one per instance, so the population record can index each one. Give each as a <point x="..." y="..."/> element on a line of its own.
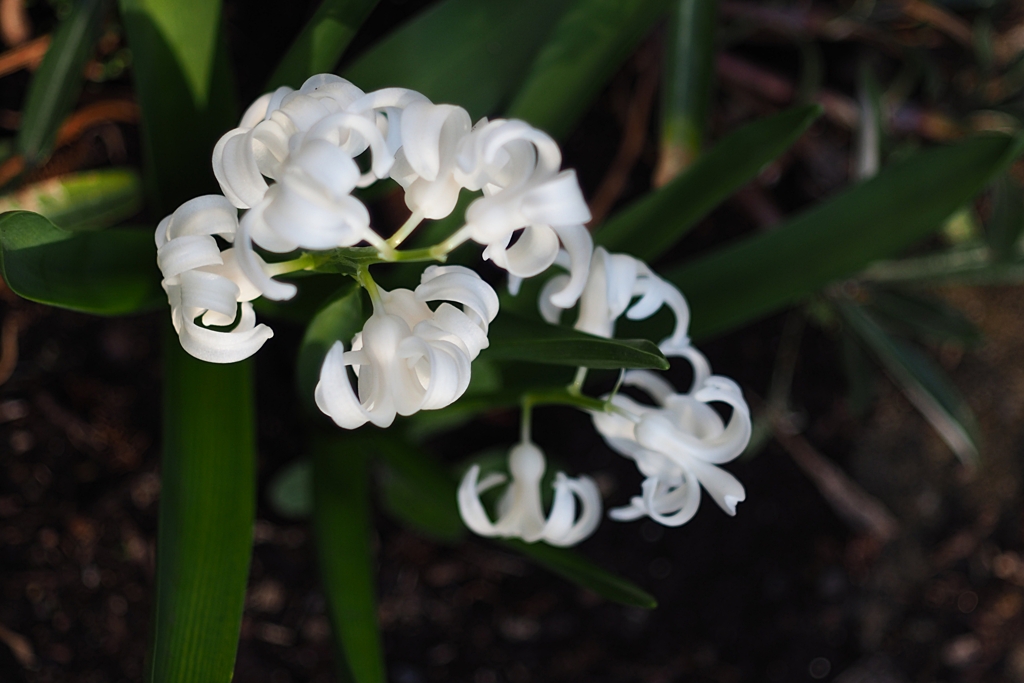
<point x="287" y="175"/>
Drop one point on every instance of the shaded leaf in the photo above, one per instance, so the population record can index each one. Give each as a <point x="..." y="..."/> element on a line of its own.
<point x="58" y="81"/>
<point x="207" y="509"/>
<point x="322" y="42"/>
<point x="472" y="53"/>
<point x="687" y="71"/>
<point x="923" y="316"/>
<point x="1006" y="226"/>
<point x="89" y="200"/>
<point x="111" y="272"/>
<point x="338" y="320"/>
<point x="516" y="338"/>
<point x="665" y="215"/>
<point x="875" y="219"/>
<point x="341" y="517"/>
<point x="926" y="385"/>
<point x="590" y="41"/>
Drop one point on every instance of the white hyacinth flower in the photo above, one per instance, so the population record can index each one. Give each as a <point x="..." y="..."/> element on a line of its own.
<point x="520" y="509"/>
<point x="201" y="280"/>
<point x="614" y="281"/>
<point x="678" y="444"/>
<point x="517" y="167"/>
<point x="408" y="358"/>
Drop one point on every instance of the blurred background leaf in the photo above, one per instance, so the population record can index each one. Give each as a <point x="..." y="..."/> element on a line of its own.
<point x="87" y="200"/>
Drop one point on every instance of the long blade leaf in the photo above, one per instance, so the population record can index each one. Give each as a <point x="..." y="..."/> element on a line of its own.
<point x="90" y="200"/>
<point x="110" y="272"/>
<point x="927" y="387"/>
<point x="588" y="44"/>
<point x="207" y="508"/>
<point x="341" y="516"/>
<point x="58" y="81"/>
<point x="517" y="338"/>
<point x="664" y="216"/>
<point x="870" y="221"/>
<point x="322" y="41"/>
<point x="472" y="53"/>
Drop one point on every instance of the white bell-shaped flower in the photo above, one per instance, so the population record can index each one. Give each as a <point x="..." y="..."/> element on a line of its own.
<point x="516" y="166"/>
<point x="520" y="508"/>
<point x="246" y="156"/>
<point x="409" y="358"/>
<point x="613" y="282"/>
<point x="201" y="280"/>
<point x="678" y="444"/>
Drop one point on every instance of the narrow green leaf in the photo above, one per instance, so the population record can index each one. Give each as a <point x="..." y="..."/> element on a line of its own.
<point x="58" y="81"/>
<point x="926" y="385"/>
<point x="665" y="215"/>
<point x="472" y="53"/>
<point x="90" y="200"/>
<point x="873" y="220"/>
<point x="322" y="42"/>
<point x="183" y="82"/>
<point x="425" y="498"/>
<point x="516" y="338"/>
<point x="338" y="320"/>
<point x="689" y="63"/>
<point x="969" y="265"/>
<point x="111" y="272"/>
<point x="575" y="568"/>
<point x="923" y="316"/>
<point x="291" y="490"/>
<point x="861" y="374"/>
<point x="341" y="517"/>
<point x="1006" y="226"/>
<point x="587" y="45"/>
<point x="207" y="508"/>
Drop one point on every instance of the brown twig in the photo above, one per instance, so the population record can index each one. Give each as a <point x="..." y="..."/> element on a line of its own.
<point x="9" y="345"/>
<point x="633" y="138"/>
<point x="15" y="26"/>
<point x="939" y="19"/>
<point x="798" y="20"/>
<point x="20" y="647"/>
<point x="856" y="506"/>
<point x="25" y="56"/>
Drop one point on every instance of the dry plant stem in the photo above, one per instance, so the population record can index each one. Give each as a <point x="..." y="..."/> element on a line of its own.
<point x="108" y="111"/>
<point x="15" y="25"/>
<point x="9" y="345"/>
<point x="633" y="139"/>
<point x="25" y="56"/>
<point x="20" y="647"/>
<point x="839" y="109"/>
<point x="856" y="506"/>
<point x="799" y="20"/>
<point x="939" y="19"/>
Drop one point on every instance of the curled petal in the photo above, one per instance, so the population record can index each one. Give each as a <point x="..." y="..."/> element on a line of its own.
<point x="579" y="245"/>
<point x="210" y="214"/>
<point x="532" y="254"/>
<point x="334" y="395"/>
<point x="550" y="312"/>
<point x="461" y="285"/>
<point x="186" y="253"/>
<point x="726" y="489"/>
<point x="670" y="506"/>
<point x="235" y="168"/>
<point x="470" y="508"/>
<point x="558" y="201"/>
<point x="655" y="385"/>
<point x="252" y="265"/>
<point x="224" y="347"/>
<point x="210" y="292"/>
<point x="563" y="528"/>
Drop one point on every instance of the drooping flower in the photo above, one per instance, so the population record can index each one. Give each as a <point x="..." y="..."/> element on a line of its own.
<point x="203" y="281"/>
<point x="409" y="358"/>
<point x="678" y="445"/>
<point x="613" y="282"/>
<point x="517" y="167"/>
<point x="520" y="508"/>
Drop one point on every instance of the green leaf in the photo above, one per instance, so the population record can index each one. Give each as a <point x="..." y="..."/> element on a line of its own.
<point x="587" y="45"/>
<point x="341" y="517"/>
<point x="665" y="215"/>
<point x="517" y="338"/>
<point x="323" y="40"/>
<point x="1004" y="230"/>
<point x="416" y="491"/>
<point x="425" y="498"/>
<point x="183" y="82"/>
<point x="58" y="81"/>
<point x="580" y="571"/>
<point x="90" y="200"/>
<point x="927" y="386"/>
<point x="291" y="490"/>
<point x="112" y="272"/>
<point x="967" y="265"/>
<point x="923" y="316"/>
<point x="472" y="53"/>
<point x="207" y="509"/>
<point x="689" y="64"/>
<point x="872" y="220"/>
<point x="338" y="320"/>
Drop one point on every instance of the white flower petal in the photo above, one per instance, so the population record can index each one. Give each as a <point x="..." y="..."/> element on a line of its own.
<point x="225" y="347"/>
<point x="334" y="395"/>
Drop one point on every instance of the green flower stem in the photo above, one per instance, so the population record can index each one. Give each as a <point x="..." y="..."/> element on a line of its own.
<point x="367" y="283"/>
<point x="305" y="262"/>
<point x="565" y="397"/>
<point x="414" y="220"/>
